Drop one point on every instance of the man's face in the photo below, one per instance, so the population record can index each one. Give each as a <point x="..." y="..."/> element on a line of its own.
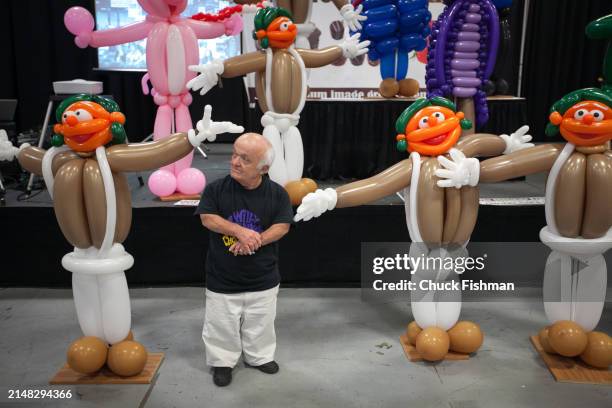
<point x="246" y="156"/>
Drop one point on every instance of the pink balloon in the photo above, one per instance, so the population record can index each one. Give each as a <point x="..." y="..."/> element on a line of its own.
<point x="78" y="20"/>
<point x="191" y="181"/>
<point x="162" y="183"/>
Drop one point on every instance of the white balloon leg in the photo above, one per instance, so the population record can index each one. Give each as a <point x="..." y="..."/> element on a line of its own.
<point x="100" y="291"/>
<point x="578" y="286"/>
<point x="116" y="310"/>
<point x="438" y="308"/>
<point x="294" y="153"/>
<point x="87" y="303"/>
<point x="278" y="169"/>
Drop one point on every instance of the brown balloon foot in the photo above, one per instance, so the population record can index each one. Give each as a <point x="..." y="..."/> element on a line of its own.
<point x="298" y="189"/>
<point x="179" y="197"/>
<point x="408" y="87"/>
<point x="127" y="358"/>
<point x="66" y="375"/>
<point x="413" y="355"/>
<point x="388" y="88"/>
<point x="570" y="369"/>
<point x="465" y="337"/>
<point x="87" y="355"/>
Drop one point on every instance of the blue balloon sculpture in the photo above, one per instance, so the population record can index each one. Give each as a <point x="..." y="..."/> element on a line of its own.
<point x="395" y="28"/>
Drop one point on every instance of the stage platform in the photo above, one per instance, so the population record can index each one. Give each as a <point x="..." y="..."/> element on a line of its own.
<point x="169" y="244"/>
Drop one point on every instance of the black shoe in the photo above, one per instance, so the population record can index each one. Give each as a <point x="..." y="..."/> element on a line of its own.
<point x="268" y="368"/>
<point x="222" y="376"/>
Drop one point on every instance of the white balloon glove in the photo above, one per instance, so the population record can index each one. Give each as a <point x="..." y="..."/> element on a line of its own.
<point x="352" y="47"/>
<point x="315" y="204"/>
<point x="208" y="130"/>
<point x="7" y="150"/>
<point x="459" y="171"/>
<point x="352" y="17"/>
<point x="208" y="78"/>
<point x="518" y="140"/>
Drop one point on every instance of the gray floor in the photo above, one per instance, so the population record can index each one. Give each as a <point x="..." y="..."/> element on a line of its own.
<point x="217" y="166"/>
<point x="327" y="348"/>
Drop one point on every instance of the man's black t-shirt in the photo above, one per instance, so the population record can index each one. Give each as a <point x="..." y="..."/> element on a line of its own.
<point x="256" y="209"/>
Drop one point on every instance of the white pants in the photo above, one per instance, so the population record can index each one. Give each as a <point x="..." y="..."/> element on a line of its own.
<point x="281" y="131"/>
<point x="240" y="323"/>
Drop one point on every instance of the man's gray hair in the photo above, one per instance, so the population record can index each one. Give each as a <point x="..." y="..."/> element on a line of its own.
<point x="268" y="156"/>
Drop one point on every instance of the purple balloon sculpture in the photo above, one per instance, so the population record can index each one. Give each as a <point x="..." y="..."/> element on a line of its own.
<point x="462" y="52"/>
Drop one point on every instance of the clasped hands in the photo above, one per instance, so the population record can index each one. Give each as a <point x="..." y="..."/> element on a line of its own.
<point x="249" y="241"/>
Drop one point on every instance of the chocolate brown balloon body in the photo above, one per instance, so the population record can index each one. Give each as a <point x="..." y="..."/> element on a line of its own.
<point x="583" y="187"/>
<point x="444" y="215"/>
<point x="79" y="197"/>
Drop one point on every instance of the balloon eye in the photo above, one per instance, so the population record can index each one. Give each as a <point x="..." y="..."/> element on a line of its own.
<point x="598" y="115"/>
<point x="82" y="115"/>
<point x="423" y="123"/>
<point x="440" y="116"/>
<point x="284" y="26"/>
<point x="580" y="114"/>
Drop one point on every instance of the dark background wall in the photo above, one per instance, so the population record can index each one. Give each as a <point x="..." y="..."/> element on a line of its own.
<point x="37" y="50"/>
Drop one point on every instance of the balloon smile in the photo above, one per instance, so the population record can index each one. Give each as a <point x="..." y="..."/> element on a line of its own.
<point x="80" y="138"/>
<point x="582" y="134"/>
<point x="436" y="140"/>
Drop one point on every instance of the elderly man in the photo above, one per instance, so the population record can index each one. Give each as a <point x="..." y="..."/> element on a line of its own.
<point x="246" y="214"/>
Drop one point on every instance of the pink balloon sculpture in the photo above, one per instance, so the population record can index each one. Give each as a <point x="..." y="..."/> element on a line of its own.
<point x="172" y="45"/>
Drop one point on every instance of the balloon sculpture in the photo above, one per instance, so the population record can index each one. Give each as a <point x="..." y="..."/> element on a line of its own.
<point x="301" y="11"/>
<point x="578" y="214"/>
<point x="172" y="45"/>
<point x="462" y="53"/>
<point x="395" y="28"/>
<point x="440" y="184"/>
<point x="280" y="71"/>
<point x="83" y="172"/>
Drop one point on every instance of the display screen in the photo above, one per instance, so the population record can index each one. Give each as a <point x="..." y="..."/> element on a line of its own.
<point x="118" y="13"/>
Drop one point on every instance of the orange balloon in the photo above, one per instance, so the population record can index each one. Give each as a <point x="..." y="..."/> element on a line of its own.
<point x="408" y="87"/>
<point x="87" y="354"/>
<point x="389" y="88"/>
<point x="545" y="342"/>
<point x="412" y="331"/>
<point x="567" y="338"/>
<point x="465" y="337"/>
<point x="598" y="352"/>
<point x="310" y="185"/>
<point x="297" y="191"/>
<point x="432" y="343"/>
<point x="127" y="358"/>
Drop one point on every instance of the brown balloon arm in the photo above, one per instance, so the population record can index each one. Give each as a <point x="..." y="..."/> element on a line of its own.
<point x="481" y="145"/>
<point x="521" y="163"/>
<point x="30" y="158"/>
<point x="150" y="155"/>
<point x="390" y="181"/>
<point x="320" y="58"/>
<point x="244" y="64"/>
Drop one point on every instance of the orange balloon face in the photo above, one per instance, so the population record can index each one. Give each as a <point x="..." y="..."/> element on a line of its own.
<point x="85" y="126"/>
<point x="281" y="32"/>
<point x="587" y="123"/>
<point x="433" y="130"/>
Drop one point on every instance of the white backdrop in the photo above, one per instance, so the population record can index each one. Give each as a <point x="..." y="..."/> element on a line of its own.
<point x="347" y="81"/>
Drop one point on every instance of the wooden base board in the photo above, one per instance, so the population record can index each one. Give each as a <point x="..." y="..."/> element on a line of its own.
<point x="179" y="197"/>
<point x="413" y="355"/>
<point x="68" y="376"/>
<point x="571" y="370"/>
